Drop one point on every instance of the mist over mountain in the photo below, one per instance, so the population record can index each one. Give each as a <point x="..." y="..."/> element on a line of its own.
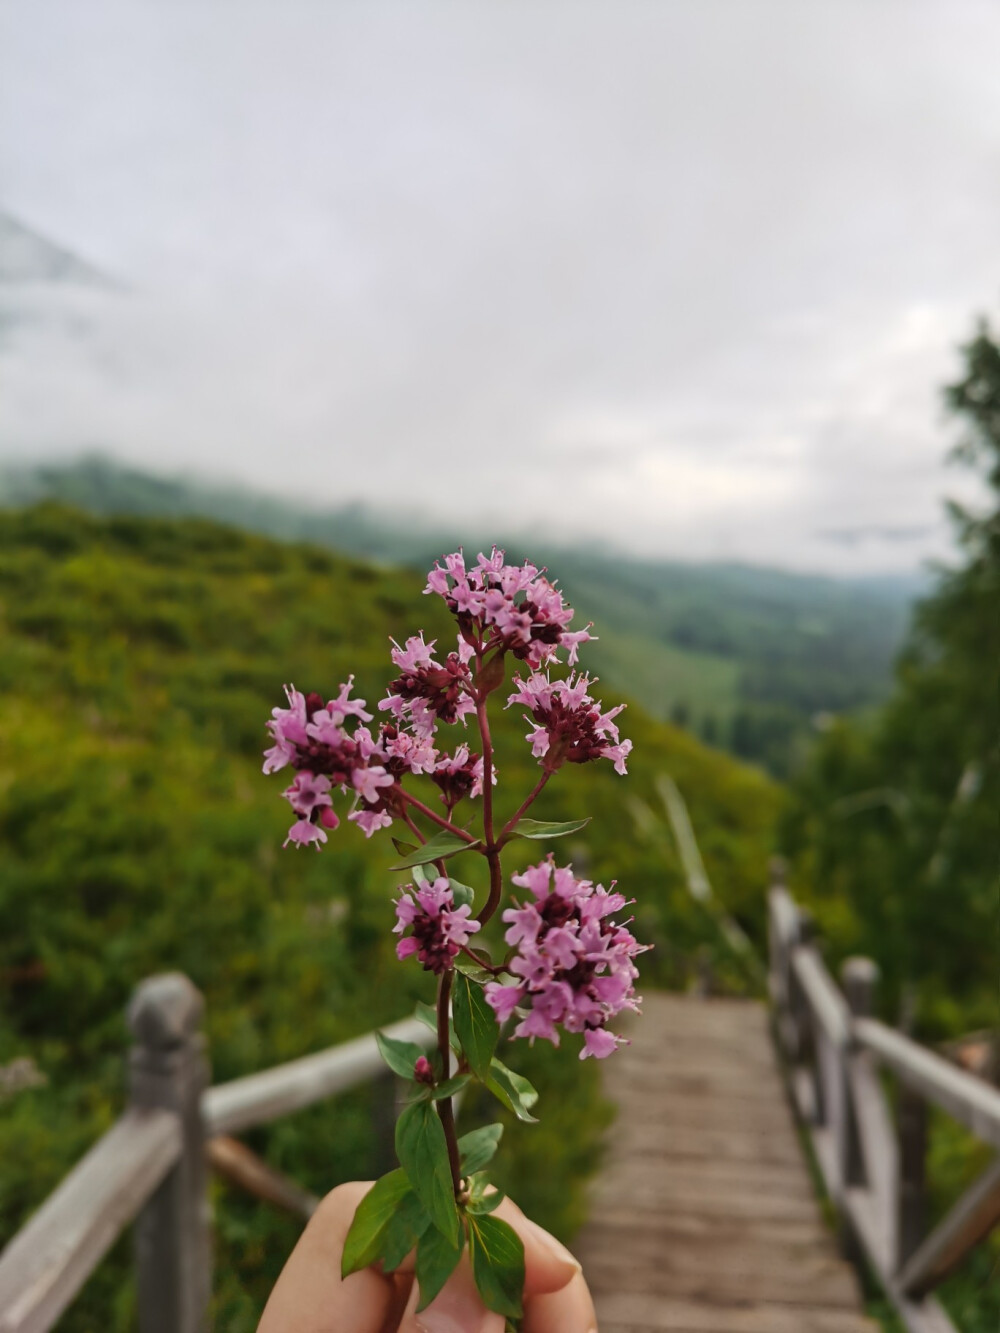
<point x="750" y="658"/>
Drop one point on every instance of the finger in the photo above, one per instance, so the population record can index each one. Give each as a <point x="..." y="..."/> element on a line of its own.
<point x="457" y="1308"/>
<point x="402" y="1286"/>
<point x="548" y="1265"/>
<point x="568" y="1311"/>
<point x="310" y="1296"/>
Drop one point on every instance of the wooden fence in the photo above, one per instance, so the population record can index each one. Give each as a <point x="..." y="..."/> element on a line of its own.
<point x="872" y="1157"/>
<point x="151" y="1167"/>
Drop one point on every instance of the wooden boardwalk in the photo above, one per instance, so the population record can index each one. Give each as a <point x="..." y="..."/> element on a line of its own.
<point x="705" y="1219"/>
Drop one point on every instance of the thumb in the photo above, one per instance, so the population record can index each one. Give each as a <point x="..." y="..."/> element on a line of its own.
<point x="458" y="1308"/>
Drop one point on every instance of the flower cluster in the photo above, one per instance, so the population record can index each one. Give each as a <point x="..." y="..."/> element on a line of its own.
<point x="512" y="608"/>
<point x="573" y="963"/>
<point x="311" y="737"/>
<point x="438" y="928"/>
<point x="459" y="775"/>
<point x="429" y="691"/>
<point x="567" y="725"/>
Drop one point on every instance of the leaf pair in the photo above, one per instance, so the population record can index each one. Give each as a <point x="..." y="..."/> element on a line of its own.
<point x="397" y="1215"/>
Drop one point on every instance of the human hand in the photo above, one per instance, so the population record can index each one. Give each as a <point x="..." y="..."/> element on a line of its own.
<point x="310" y="1296"/>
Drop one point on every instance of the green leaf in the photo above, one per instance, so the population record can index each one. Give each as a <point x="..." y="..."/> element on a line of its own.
<point x="421" y="877"/>
<point x="497" y="1264"/>
<point x="543" y="828"/>
<point x="473" y="971"/>
<point x="475" y="1023"/>
<point x="483" y="1197"/>
<point x="486" y="1203"/>
<point x="407" y="1224"/>
<point x="374" y="1212"/>
<point x="427" y="1014"/>
<point x="404" y="848"/>
<point x="400" y="1056"/>
<point x="450" y="1087"/>
<point x="423" y="1153"/>
<point x="437" y="1259"/>
<point x="463" y="895"/>
<point x="443" y="844"/>
<point x="513" y="1090"/>
<point x="477" y="1149"/>
<point x="492" y="675"/>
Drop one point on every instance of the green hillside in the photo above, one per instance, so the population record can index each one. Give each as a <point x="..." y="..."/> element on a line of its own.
<point x="140" y="659"/>
<point x="743" y="656"/>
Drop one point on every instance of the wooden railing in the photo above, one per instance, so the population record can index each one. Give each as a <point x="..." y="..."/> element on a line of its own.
<point x="151" y="1166"/>
<point x="873" y="1159"/>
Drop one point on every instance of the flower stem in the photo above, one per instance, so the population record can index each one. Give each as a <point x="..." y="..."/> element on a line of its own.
<point x="444" y="823"/>
<point x="491" y="849"/>
<point x="444" y="1106"/>
<point x="509" y="827"/>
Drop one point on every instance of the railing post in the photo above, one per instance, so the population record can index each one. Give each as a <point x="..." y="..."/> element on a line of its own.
<point x="912" y="1131"/>
<point x="385" y="1095"/>
<point x="169" y="1069"/>
<point x="859" y="978"/>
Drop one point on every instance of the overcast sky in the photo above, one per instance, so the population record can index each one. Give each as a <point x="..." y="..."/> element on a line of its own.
<point x="686" y="277"/>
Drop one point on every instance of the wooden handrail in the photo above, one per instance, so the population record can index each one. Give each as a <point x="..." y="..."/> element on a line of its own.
<point x="968" y="1099"/>
<point x="873" y="1170"/>
<point x="272" y="1093"/>
<point x="150" y="1166"/>
<point x="51" y="1257"/>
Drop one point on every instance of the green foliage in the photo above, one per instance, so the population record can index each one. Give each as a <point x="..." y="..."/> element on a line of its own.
<point x="423" y="1152"/>
<point x="747" y="655"/>
<point x="140" y="661"/>
<point x="893" y="824"/>
<point x="541" y="829"/>
<point x="497" y="1263"/>
<point x="363" y="1244"/>
<point x="478" y="1148"/>
<point x="475" y="1024"/>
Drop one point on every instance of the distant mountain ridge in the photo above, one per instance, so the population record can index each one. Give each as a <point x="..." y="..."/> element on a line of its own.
<point x="746" y="656"/>
<point x="26" y="256"/>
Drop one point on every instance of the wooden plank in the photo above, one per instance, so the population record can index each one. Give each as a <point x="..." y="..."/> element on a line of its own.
<point x="727" y="1232"/>
<point x="807" y="1273"/>
<point x="236" y="1163"/>
<point x="275" y="1092"/>
<point x="972" y="1102"/>
<point x="684" y="1175"/>
<point x="632" y="1312"/>
<point x="705" y="1217"/>
<point x="657" y="1138"/>
<point x="655" y="1196"/>
<point x="970" y="1221"/>
<point x="51" y="1257"/>
<point x="671" y="1109"/>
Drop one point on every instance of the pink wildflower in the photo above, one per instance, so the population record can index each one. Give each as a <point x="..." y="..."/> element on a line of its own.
<point x="573" y="963"/>
<point x="312" y="737"/>
<point x="508" y="608"/>
<point x="567" y="724"/>
<point x="428" y="691"/>
<point x="459" y="775"/>
<point x="438" y="928"/>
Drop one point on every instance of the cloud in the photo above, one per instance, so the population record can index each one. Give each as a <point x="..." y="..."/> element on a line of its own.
<point x="684" y="286"/>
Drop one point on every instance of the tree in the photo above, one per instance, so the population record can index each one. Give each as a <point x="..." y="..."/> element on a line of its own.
<point x="895" y="825"/>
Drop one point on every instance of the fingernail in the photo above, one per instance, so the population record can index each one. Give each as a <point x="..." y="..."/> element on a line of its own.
<point x="458" y="1311"/>
<point x="549" y="1242"/>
